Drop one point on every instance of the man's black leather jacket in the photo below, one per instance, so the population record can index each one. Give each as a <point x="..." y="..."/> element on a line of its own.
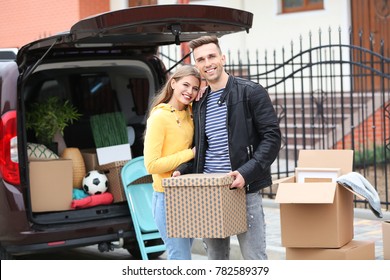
<point x="253" y="132"/>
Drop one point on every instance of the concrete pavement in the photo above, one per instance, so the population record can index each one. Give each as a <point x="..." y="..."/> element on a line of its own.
<point x="366" y="227"/>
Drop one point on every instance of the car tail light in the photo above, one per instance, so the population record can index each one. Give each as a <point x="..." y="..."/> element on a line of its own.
<point x="9" y="164"/>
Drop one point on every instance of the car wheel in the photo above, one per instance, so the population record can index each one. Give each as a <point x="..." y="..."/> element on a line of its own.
<point x="4" y="255"/>
<point x="134" y="250"/>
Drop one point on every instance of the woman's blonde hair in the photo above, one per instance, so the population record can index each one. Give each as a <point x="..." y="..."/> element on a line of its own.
<point x="166" y="92"/>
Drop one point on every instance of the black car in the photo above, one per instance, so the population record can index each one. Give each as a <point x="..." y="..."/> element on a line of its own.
<point x="104" y="64"/>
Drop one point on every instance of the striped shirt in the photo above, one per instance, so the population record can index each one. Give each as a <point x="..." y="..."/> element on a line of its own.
<point x="217" y="153"/>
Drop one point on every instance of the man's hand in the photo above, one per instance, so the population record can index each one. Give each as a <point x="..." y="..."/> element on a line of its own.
<point x="176" y="173"/>
<point x="239" y="181"/>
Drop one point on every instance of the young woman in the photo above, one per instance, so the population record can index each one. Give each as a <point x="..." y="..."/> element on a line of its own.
<point x="168" y="143"/>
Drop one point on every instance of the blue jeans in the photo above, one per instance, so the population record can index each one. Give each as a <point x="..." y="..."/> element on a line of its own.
<point x="252" y="242"/>
<point x="177" y="248"/>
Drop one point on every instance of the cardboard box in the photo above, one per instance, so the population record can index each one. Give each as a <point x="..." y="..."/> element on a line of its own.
<point x="203" y="206"/>
<point x="113" y="173"/>
<point x="51" y="185"/>
<point x="90" y="159"/>
<point x="317" y="214"/>
<point x="386" y="239"/>
<point x="354" y="250"/>
<point x="113" y="154"/>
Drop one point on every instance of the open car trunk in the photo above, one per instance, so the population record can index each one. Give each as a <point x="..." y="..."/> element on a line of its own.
<point x="94" y="87"/>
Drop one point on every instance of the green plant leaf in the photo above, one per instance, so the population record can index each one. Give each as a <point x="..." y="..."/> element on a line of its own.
<point x="49" y="116"/>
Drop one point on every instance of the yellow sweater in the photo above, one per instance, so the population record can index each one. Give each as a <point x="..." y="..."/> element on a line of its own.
<point x="167" y="142"/>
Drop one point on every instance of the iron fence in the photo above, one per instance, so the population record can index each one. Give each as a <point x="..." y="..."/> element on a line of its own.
<point x="328" y="96"/>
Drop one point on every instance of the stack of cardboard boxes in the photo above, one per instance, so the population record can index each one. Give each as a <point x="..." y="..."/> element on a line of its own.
<point x="316" y="213"/>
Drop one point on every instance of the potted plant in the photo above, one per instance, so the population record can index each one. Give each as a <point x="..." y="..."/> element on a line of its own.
<point x="49" y="117"/>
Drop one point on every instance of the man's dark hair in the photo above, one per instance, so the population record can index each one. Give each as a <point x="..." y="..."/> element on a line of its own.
<point x="203" y="41"/>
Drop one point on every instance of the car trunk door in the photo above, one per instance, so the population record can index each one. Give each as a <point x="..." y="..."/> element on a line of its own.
<point x="160" y="25"/>
<point x="139" y="27"/>
<point x="145" y="26"/>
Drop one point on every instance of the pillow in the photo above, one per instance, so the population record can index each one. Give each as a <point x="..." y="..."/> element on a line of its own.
<point x="39" y="152"/>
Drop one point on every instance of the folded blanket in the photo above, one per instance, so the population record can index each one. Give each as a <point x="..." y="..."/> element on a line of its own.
<point x="361" y="186"/>
<point x="93" y="200"/>
<point x="79" y="194"/>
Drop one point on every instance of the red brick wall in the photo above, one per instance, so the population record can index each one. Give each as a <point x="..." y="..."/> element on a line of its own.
<point x="366" y="130"/>
<point x="88" y="7"/>
<point x="24" y="21"/>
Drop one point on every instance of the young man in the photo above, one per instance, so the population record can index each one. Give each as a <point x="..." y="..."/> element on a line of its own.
<point x="237" y="132"/>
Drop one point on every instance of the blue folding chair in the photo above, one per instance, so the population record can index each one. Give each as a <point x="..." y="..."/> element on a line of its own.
<point x="137" y="183"/>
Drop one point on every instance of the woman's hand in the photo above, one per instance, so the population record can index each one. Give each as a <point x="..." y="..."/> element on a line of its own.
<point x="194" y="151"/>
<point x="200" y="93"/>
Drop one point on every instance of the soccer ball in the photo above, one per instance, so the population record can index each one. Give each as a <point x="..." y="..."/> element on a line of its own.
<point x="95" y="182"/>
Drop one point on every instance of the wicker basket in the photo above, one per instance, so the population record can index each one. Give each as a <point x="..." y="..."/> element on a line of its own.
<point x="79" y="171"/>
